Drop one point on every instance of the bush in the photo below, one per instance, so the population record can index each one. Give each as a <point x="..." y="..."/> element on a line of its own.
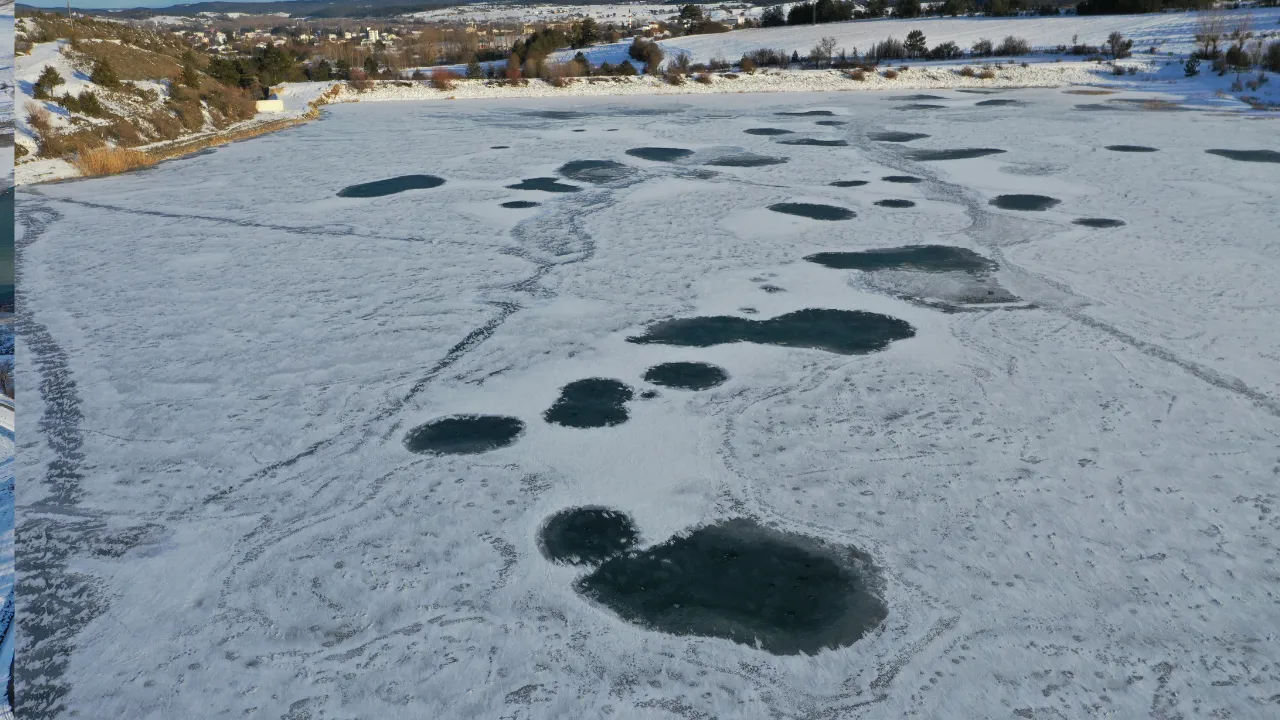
<point x="1118" y="47"/>
<point x="673" y="78"/>
<point x="987" y="74"/>
<point x="946" y="51"/>
<point x="858" y="75"/>
<point x="1117" y="70"/>
<point x="1013" y="46"/>
<point x="443" y="80"/>
<point x="967" y="71"/>
<point x="86" y="104"/>
<point x="418" y="75"/>
<point x="647" y="52"/>
<point x="982" y="48"/>
<point x="48" y="80"/>
<point x="1271" y="57"/>
<point x="1192" y="67"/>
<point x="104" y="75"/>
<point x="747" y="65"/>
<point x="124" y="133"/>
<point x="890" y="74"/>
<point x="681" y="62"/>
<point x="704" y="78"/>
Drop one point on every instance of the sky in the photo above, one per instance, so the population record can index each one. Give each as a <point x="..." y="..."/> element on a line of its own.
<point x="100" y="4"/>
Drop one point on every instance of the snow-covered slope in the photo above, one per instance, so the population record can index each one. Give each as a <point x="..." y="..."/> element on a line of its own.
<point x="1072" y="495"/>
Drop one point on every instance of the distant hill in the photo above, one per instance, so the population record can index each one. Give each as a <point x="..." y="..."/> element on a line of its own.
<point x="295" y="8"/>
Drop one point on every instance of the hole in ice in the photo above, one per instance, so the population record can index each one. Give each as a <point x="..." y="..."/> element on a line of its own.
<point x="745" y="160"/>
<point x="1098" y="222"/>
<point x="815" y="142"/>
<point x="831" y="123"/>
<point x="807" y="113"/>
<point x="520" y="204"/>
<point x="1268" y="156"/>
<point x="978" y="91"/>
<point x="1089" y="92"/>
<point x="998" y="102"/>
<point x="686" y="375"/>
<point x="590" y="403"/>
<point x="772" y="289"/>
<point x="463" y="434"/>
<point x="545" y="184"/>
<point x="897" y="137"/>
<point x="659" y="154"/>
<point x="767" y="131"/>
<point x="391" y="186"/>
<point x="648" y="394"/>
<point x="586" y="535"/>
<point x="926" y="258"/>
<point x="901" y="179"/>
<point x="913" y="98"/>
<point x="580" y="130"/>
<point x="596" y="171"/>
<point x="848" y="183"/>
<point x="814" y="211"/>
<point x="499" y="147"/>
<point x="958" y="154"/>
<point x="920" y="106"/>
<point x="1098" y="107"/>
<point x="782" y="592"/>
<point x="1023" y="202"/>
<point x="748" y="310"/>
<point x="846" y="332"/>
<point x="1132" y="148"/>
<point x="895" y="203"/>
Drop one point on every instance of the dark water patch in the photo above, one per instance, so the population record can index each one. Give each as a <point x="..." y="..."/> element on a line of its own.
<point x="545" y="184"/>
<point x="648" y="394"/>
<point x="814" y="211"/>
<point x="768" y="131"/>
<point x="686" y="375"/>
<point x="807" y="113"/>
<point x="846" y="332"/>
<point x="555" y="114"/>
<point x="463" y="435"/>
<point x="913" y="98"/>
<point x="897" y="137"/>
<point x="1098" y="107"/>
<point x="659" y="154"/>
<point x="1132" y="148"/>
<point x="772" y="288"/>
<point x="909" y="179"/>
<point x="579" y="130"/>
<point x="1089" y="92"/>
<point x="499" y="147"/>
<point x="893" y="203"/>
<point x="596" y="171"/>
<point x="1267" y="156"/>
<point x="924" y="258"/>
<point x="1029" y="203"/>
<point x="391" y="186"/>
<point x="785" y="593"/>
<point x="748" y="310"/>
<point x="586" y="536"/>
<point x="746" y="160"/>
<point x="848" y="183"/>
<point x="590" y="403"/>
<point x="978" y="91"/>
<point x="956" y="154"/>
<point x="1098" y="222"/>
<point x="998" y="102"/>
<point x="814" y="142"/>
<point x="831" y="123"/>
<point x="520" y="204"/>
<point x="644" y="112"/>
<point x="920" y="106"/>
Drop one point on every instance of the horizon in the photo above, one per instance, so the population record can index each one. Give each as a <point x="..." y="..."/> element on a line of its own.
<point x="123" y="4"/>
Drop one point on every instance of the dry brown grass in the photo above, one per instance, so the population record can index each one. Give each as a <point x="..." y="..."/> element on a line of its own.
<point x="987" y="74"/>
<point x="443" y="80"/>
<point x="131" y="63"/>
<point x="110" y="161"/>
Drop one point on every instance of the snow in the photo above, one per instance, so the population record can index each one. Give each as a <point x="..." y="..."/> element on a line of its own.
<point x="1073" y="501"/>
<point x="604" y="14"/>
<point x="1170" y="32"/>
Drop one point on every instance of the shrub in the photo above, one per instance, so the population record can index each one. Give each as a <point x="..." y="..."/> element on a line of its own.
<point x="44" y="85"/>
<point x="982" y="48"/>
<point x="110" y="161"/>
<point x="946" y="51"/>
<point x="681" y="62"/>
<point x="1118" y="47"/>
<point x="730" y="76"/>
<point x="125" y="133"/>
<point x="1192" y="67"/>
<point x="747" y="65"/>
<point x="1117" y="70"/>
<point x="967" y="71"/>
<point x="558" y="81"/>
<point x="86" y="104"/>
<point x="673" y="78"/>
<point x="890" y="74"/>
<point x="987" y="74"/>
<point x="443" y="80"/>
<point x="474" y="70"/>
<point x="1013" y="46"/>
<point x="20" y="151"/>
<point x="40" y="122"/>
<point x="418" y="75"/>
<point x="104" y="75"/>
<point x="888" y="49"/>
<point x="858" y="75"/>
<point x="704" y="78"/>
<point x="717" y="64"/>
<point x="647" y="52"/>
<point x="1271" y="57"/>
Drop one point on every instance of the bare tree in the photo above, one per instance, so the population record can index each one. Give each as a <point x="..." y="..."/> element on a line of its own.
<point x="1210" y="27"/>
<point x="827" y="46"/>
<point x="6" y="375"/>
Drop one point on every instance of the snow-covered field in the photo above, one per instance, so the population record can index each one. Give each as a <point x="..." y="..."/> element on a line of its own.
<point x="1071" y="495"/>
<point x="619" y="14"/>
<point x="1169" y="32"/>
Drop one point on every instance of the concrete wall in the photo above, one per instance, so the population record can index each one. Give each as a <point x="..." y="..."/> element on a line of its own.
<point x="273" y="105"/>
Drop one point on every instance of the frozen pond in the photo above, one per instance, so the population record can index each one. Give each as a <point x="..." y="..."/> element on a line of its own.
<point x="620" y="423"/>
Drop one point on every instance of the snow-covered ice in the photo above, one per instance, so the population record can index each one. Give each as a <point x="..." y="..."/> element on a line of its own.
<point x="1070" y="493"/>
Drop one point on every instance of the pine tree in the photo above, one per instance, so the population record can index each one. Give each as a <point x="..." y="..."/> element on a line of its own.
<point x="877" y="8"/>
<point x="104" y="75"/>
<point x="907" y="9"/>
<point x="48" y="80"/>
<point x="190" y="76"/>
<point x="915" y="44"/>
<point x="474" y="70"/>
